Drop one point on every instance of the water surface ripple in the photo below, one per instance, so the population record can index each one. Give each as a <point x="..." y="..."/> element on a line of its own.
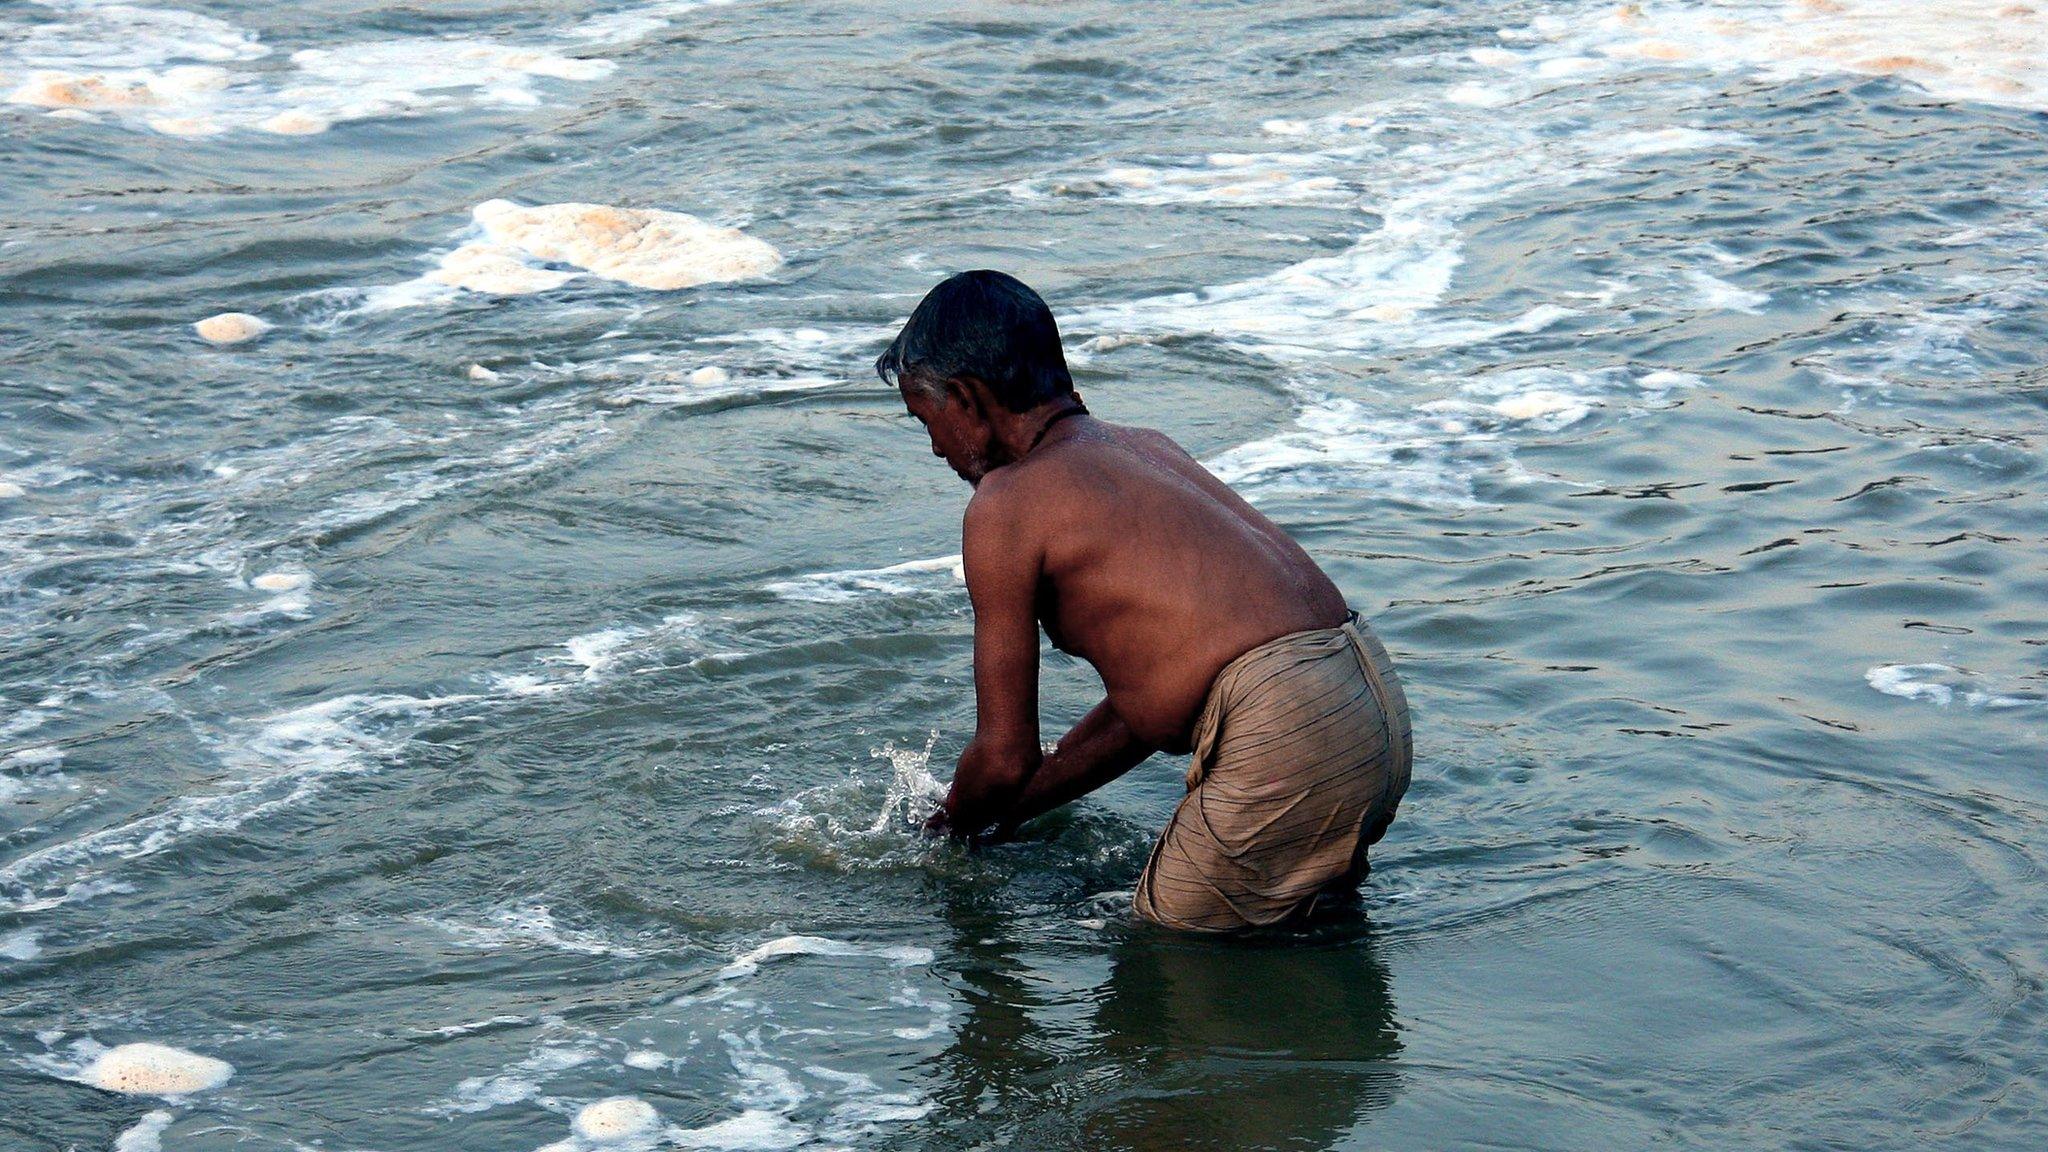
<point x="456" y="707"/>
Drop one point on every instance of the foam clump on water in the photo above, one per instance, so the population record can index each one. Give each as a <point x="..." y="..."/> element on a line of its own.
<point x="90" y="93"/>
<point x="644" y="247"/>
<point x="1939" y="684"/>
<point x="1436" y="452"/>
<point x="1541" y="403"/>
<point x="533" y="925"/>
<point x="753" y="1130"/>
<point x="748" y="963"/>
<point x="9" y="490"/>
<point x="1711" y="293"/>
<point x="21" y="944"/>
<point x="295" y="122"/>
<point x="162" y="70"/>
<point x="147" y="1069"/>
<point x="615" y="1119"/>
<point x="497" y="269"/>
<point x="121" y="59"/>
<point x="146" y="1135"/>
<point x="281" y="581"/>
<point x="941" y="573"/>
<point x="231" y="328"/>
<point x="1994" y="51"/>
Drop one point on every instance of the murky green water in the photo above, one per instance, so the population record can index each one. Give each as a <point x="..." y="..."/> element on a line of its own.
<point x="450" y="750"/>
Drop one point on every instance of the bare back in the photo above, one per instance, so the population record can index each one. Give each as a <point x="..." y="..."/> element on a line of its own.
<point x="1151" y="569"/>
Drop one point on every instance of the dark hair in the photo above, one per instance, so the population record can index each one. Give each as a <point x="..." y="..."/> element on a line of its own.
<point x="986" y="325"/>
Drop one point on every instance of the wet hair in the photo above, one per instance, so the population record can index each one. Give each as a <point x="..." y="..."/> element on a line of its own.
<point x="986" y="325"/>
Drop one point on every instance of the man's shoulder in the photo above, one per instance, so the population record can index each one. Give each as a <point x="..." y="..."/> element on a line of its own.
<point x="1000" y="501"/>
<point x="1047" y="481"/>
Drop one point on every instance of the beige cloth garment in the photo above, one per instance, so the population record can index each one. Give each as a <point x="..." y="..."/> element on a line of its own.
<point x="1302" y="754"/>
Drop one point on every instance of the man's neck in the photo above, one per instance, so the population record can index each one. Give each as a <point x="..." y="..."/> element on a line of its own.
<point x="1029" y="431"/>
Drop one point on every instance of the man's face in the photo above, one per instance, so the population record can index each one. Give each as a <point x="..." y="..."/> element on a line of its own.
<point x="959" y="435"/>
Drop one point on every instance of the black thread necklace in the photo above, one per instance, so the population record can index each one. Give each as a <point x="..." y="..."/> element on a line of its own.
<point x="1079" y="409"/>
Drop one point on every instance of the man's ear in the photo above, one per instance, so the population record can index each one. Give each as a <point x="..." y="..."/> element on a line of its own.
<point x="969" y="390"/>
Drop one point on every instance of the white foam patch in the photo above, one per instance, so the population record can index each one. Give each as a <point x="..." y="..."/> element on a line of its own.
<point x="760" y="362"/>
<point x="544" y="433"/>
<point x="475" y="1026"/>
<point x="601" y="653"/>
<point x="275" y="763"/>
<point x="1942" y="685"/>
<point x="754" y="1130"/>
<point x="1657" y="141"/>
<point x="520" y="1082"/>
<point x="530" y="926"/>
<point x="1219" y="178"/>
<point x="181" y="74"/>
<point x="285" y="759"/>
<point x="93" y="35"/>
<point x="657" y="383"/>
<point x="146" y="1134"/>
<point x="9" y="490"/>
<point x="522" y="249"/>
<point x="940" y="1022"/>
<point x="1991" y="51"/>
<point x="857" y="1118"/>
<point x="1421" y="170"/>
<point x="190" y="523"/>
<point x="138" y="64"/>
<point x="636" y="23"/>
<point x="1711" y="293"/>
<point x="281" y="580"/>
<point x="749" y="962"/>
<point x="1919" y="344"/>
<point x="1421" y="166"/>
<point x="811" y="345"/>
<point x="1374" y="296"/>
<point x="766" y="1095"/>
<point x="1381" y="292"/>
<point x="231" y="328"/>
<point x="21" y="944"/>
<point x="939" y="574"/>
<point x="1478" y="95"/>
<point x="779" y="1092"/>
<point x="150" y="1069"/>
<point x="1435" y="452"/>
<point x="289" y="594"/>
<point x="615" y="1120"/>
<point x="32" y="771"/>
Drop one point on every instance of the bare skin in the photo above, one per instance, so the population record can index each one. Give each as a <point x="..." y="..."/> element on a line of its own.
<point x="1132" y="557"/>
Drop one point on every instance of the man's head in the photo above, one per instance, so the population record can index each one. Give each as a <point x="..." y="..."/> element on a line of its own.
<point x="980" y="349"/>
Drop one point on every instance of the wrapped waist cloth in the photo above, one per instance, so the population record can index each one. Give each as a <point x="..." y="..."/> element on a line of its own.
<point x="1302" y="753"/>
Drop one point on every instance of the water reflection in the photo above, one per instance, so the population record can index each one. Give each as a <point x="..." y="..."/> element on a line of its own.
<point x="1188" y="1043"/>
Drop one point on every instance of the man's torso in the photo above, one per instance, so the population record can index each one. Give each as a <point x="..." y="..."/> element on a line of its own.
<point x="1155" y="572"/>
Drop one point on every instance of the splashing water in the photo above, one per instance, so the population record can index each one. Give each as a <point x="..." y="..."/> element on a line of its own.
<point x="863" y="821"/>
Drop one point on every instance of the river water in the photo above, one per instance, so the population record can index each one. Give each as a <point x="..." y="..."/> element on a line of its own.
<point x="457" y="705"/>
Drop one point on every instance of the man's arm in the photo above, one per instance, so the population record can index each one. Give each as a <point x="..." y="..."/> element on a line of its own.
<point x="1002" y="566"/>
<point x="1098" y="750"/>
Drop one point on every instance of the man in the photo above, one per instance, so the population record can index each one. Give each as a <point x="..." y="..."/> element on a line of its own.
<point x="1213" y="632"/>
